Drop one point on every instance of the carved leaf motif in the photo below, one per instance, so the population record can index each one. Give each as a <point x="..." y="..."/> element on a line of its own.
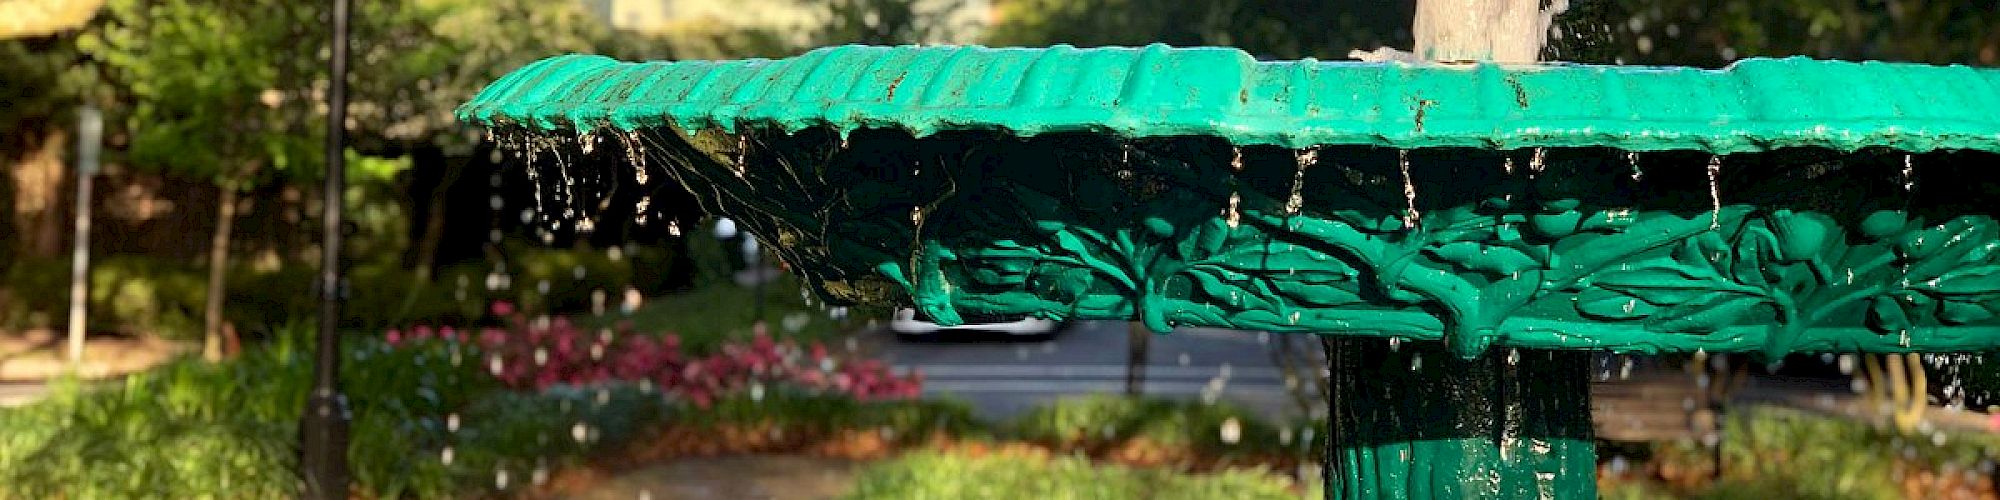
<point x="1664" y="284"/>
<point x="1608" y="305"/>
<point x="1959" y="313"/>
<point x="1979" y="280"/>
<point x="1494" y="260"/>
<point x="1706" y="314"/>
<point x="1886" y="314"/>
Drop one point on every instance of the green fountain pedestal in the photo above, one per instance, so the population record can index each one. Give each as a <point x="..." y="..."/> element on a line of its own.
<point x="1461" y="235"/>
<point x="1413" y="421"/>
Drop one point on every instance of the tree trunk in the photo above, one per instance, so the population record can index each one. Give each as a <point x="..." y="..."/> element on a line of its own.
<point x="1414" y="421"/>
<point x="38" y="176"/>
<point x="218" y="275"/>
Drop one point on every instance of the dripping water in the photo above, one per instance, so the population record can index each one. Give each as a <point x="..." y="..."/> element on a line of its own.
<point x="1410" y="216"/>
<point x="1715" y="192"/>
<point x="1231" y="216"/>
<point x="1306" y="157"/>
<point x="1535" y="162"/>
<point x="742" y="154"/>
<point x="1909" y="173"/>
<point x="1632" y="159"/>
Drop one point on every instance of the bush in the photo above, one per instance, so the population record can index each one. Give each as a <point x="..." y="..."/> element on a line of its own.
<point x="946" y="475"/>
<point x="194" y="429"/>
<point x="538" y="354"/>
<point x="127" y="294"/>
<point x="1096" y="421"/>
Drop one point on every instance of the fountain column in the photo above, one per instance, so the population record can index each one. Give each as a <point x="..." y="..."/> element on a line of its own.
<point x="1415" y="421"/>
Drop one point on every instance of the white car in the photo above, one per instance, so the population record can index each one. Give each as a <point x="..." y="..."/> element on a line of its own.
<point x="906" y="324"/>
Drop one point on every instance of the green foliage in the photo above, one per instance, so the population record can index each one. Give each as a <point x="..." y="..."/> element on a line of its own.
<point x="418" y="59"/>
<point x="217" y="90"/>
<point x="1770" y="452"/>
<point x="1707" y="33"/>
<point x="707" y="316"/>
<point x="1287" y="29"/>
<point x="899" y="420"/>
<point x="1093" y="421"/>
<point x="193" y="429"/>
<point x="127" y="293"/>
<point x="944" y="475"/>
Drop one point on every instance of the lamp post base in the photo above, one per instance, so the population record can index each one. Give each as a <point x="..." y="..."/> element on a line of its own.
<point x="322" y="461"/>
<point x="1414" y="421"/>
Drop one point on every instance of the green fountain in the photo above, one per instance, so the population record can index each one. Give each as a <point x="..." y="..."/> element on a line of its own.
<point x="1462" y="235"/>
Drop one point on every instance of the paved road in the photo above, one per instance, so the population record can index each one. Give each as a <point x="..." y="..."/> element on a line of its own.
<point x="1001" y="377"/>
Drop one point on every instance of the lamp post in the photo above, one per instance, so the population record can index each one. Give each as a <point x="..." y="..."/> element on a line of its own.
<point x="324" y="425"/>
<point x="89" y="140"/>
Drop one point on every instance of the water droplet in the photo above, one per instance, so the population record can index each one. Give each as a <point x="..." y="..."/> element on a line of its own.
<point x="742" y="154"/>
<point x="1535" y="162"/>
<point x="1306" y="158"/>
<point x="1231" y="216"/>
<point x="1909" y="173"/>
<point x="1715" y="191"/>
<point x="1632" y="158"/>
<point x="1409" y="190"/>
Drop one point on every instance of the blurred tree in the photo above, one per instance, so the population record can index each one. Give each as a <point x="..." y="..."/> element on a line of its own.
<point x="1711" y="34"/>
<point x="1277" y="29"/>
<point x="223" y="91"/>
<point x="425" y="57"/>
<point x="888" y="22"/>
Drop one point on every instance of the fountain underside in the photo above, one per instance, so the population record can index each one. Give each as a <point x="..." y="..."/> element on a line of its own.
<point x="1458" y="280"/>
<point x="1486" y="271"/>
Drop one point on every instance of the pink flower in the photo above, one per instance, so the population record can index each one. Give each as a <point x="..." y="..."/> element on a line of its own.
<point x="448" y="333"/>
<point x="422" y="332"/>
<point x="491" y="338"/>
<point x="394" y="336"/>
<point x="502" y="308"/>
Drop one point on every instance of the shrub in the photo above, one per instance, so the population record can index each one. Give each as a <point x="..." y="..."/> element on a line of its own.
<point x="193" y="429"/>
<point x="947" y="475"/>
<point x="548" y="351"/>
<point x="1096" y="421"/>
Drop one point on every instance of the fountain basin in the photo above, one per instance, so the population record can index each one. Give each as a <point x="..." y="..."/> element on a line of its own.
<point x="1541" y="206"/>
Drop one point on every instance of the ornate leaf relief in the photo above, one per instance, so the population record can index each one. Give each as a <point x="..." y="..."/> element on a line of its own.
<point x="1175" y="235"/>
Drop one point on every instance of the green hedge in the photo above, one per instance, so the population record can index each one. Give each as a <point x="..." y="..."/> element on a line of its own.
<point x="959" y="476"/>
<point x="1093" y="421"/>
<point x="149" y="296"/>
